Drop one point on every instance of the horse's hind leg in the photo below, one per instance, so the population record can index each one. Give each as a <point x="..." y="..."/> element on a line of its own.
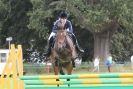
<point x="61" y="71"/>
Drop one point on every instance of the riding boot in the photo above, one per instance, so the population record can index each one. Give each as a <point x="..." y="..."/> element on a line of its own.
<point x="79" y="48"/>
<point x="76" y="44"/>
<point x="47" y="54"/>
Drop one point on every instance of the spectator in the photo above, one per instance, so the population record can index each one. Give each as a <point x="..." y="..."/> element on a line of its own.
<point x="109" y="62"/>
<point x="132" y="61"/>
<point x="96" y="64"/>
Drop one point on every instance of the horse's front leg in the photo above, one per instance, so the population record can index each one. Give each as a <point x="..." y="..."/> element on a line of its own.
<point x="56" y="69"/>
<point x="69" y="69"/>
<point x="56" y="72"/>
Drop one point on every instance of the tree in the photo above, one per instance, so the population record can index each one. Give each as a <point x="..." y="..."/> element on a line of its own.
<point x="3" y="14"/>
<point x="122" y="48"/>
<point x="15" y="22"/>
<point x="101" y="17"/>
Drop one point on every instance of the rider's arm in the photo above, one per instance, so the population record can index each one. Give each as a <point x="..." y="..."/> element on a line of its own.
<point x="55" y="27"/>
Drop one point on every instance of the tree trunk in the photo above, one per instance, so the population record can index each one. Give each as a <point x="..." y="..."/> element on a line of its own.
<point x="102" y="40"/>
<point x="102" y="44"/>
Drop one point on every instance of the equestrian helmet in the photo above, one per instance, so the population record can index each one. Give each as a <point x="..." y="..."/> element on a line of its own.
<point x="63" y="15"/>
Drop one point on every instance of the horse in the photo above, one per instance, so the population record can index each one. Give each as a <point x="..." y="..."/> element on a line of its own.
<point x="63" y="52"/>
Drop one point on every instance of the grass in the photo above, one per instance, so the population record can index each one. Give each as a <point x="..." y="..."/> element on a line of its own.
<point x="39" y="69"/>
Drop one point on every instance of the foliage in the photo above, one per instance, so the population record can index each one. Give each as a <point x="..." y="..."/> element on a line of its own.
<point x="40" y="17"/>
<point x="3" y="14"/>
<point x="15" y="22"/>
<point x="100" y="14"/>
<point x="29" y="22"/>
<point x="122" y="47"/>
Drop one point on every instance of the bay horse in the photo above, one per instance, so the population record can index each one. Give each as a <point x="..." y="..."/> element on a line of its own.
<point x="63" y="52"/>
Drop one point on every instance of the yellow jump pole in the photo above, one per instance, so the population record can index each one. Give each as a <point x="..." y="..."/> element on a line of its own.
<point x="20" y="66"/>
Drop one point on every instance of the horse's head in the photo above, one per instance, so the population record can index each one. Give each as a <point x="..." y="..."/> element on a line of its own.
<point x="61" y="39"/>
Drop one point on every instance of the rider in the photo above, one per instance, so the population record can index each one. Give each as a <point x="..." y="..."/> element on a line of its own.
<point x="68" y="26"/>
